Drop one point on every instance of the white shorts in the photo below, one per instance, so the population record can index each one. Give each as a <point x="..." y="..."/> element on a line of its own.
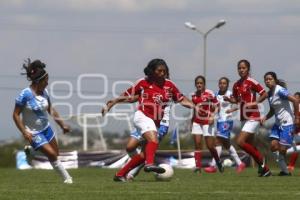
<point x="250" y="126"/>
<point x="205" y="130"/>
<point x="143" y="123"/>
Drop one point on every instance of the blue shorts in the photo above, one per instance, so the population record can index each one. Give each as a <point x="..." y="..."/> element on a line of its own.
<point x="283" y="133"/>
<point x="224" y="129"/>
<point x="137" y="135"/>
<point x="41" y="138"/>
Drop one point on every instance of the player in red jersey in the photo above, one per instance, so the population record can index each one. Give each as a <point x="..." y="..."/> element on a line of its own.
<point x="244" y="93"/>
<point x="203" y="122"/>
<point x="154" y="93"/>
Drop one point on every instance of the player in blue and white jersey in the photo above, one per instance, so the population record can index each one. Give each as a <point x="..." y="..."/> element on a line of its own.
<point x="285" y="118"/>
<point x="34" y="105"/>
<point x="224" y="127"/>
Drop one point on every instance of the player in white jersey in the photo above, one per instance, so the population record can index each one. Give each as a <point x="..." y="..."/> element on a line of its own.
<point x="33" y="103"/>
<point x="224" y="127"/>
<point x="281" y="134"/>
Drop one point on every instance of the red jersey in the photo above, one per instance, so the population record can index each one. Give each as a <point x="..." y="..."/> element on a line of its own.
<point x="244" y="91"/>
<point x="206" y="102"/>
<point x="154" y="98"/>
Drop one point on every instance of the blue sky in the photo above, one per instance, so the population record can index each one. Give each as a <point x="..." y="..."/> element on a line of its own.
<point x="118" y="38"/>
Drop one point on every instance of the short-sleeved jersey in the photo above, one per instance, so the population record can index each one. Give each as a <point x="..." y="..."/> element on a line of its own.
<point x="283" y="112"/>
<point x="206" y="103"/>
<point x="222" y="116"/>
<point x="154" y="98"/>
<point x="34" y="110"/>
<point x="244" y="91"/>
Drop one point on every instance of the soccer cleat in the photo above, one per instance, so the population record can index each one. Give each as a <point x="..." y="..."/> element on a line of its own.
<point x="240" y="167"/>
<point x="130" y="177"/>
<point x="119" y="178"/>
<point x="265" y="172"/>
<point x="220" y="166"/>
<point x="154" y="168"/>
<point x="282" y="173"/>
<point x="291" y="168"/>
<point x="210" y="169"/>
<point x="68" y="181"/>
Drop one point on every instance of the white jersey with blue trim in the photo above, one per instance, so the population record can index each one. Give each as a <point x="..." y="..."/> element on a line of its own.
<point x="34" y="110"/>
<point x="282" y="108"/>
<point x="224" y="106"/>
<point x="166" y="118"/>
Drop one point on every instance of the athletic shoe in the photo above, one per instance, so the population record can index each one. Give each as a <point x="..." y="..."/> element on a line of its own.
<point x="220" y="166"/>
<point x="119" y="178"/>
<point x="154" y="168"/>
<point x="130" y="177"/>
<point x="265" y="172"/>
<point x="291" y="168"/>
<point x="240" y="168"/>
<point x="210" y="169"/>
<point x="68" y="181"/>
<point x="282" y="173"/>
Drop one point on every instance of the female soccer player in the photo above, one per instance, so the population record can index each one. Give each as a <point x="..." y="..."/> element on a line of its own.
<point x="281" y="134"/>
<point x="295" y="154"/>
<point x="203" y="122"/>
<point x="154" y="92"/>
<point x="224" y="127"/>
<point x="34" y="103"/>
<point x="244" y="93"/>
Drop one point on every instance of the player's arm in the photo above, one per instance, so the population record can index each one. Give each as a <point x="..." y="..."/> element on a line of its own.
<point x="121" y="99"/>
<point x="18" y="121"/>
<point x="231" y="110"/>
<point x="187" y="102"/>
<point x="55" y="115"/>
<point x="268" y="116"/>
<point x="230" y="99"/>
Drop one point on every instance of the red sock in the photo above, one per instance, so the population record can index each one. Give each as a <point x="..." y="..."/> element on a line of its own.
<point x="253" y="152"/>
<point x="293" y="159"/>
<point x="150" y="151"/>
<point x="135" y="161"/>
<point x="214" y="154"/>
<point x="197" y="156"/>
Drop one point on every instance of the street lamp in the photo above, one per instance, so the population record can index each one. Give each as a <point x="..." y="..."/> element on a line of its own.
<point x="204" y="34"/>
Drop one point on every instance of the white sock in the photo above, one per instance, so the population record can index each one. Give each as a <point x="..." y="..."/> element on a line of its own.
<point x="293" y="149"/>
<point x="219" y="151"/>
<point x="234" y="155"/>
<point x="134" y="172"/>
<point x="60" y="169"/>
<point x="282" y="163"/>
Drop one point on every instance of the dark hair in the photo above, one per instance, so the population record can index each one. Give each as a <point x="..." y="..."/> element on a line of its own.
<point x="153" y="64"/>
<point x="297" y="93"/>
<point x="202" y="77"/>
<point x="277" y="81"/>
<point x="224" y="78"/>
<point x="35" y="70"/>
<point x="247" y="63"/>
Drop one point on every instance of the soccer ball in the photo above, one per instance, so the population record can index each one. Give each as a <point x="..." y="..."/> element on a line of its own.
<point x="167" y="175"/>
<point x="227" y="163"/>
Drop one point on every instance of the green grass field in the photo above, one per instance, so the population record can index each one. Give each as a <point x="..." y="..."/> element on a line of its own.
<point x="92" y="183"/>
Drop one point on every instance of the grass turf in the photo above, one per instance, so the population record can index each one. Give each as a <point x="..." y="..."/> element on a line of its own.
<point x="93" y="183"/>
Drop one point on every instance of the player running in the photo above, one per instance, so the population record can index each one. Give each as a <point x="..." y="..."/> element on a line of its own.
<point x="154" y="92"/>
<point x="203" y="122"/>
<point x="281" y="134"/>
<point x="33" y="103"/>
<point x="224" y="127"/>
<point x="244" y="93"/>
